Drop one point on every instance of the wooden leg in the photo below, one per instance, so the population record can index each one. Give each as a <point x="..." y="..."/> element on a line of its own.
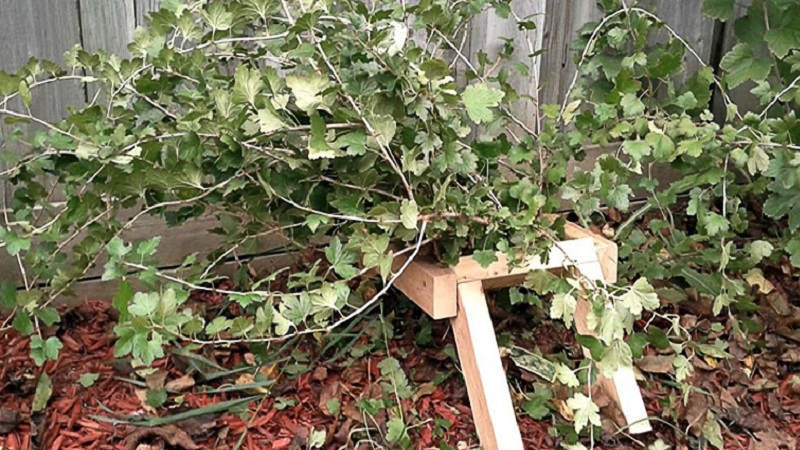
<point x="622" y="387"/>
<point x="489" y="395"/>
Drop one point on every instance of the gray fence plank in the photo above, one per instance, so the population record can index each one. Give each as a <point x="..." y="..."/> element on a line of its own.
<point x="487" y="34"/>
<point x="143" y="8"/>
<point x="688" y="21"/>
<point x="563" y="20"/>
<point x="107" y="25"/>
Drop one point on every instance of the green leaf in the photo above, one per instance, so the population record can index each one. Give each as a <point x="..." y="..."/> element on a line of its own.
<point x="44" y="390"/>
<point x="156" y="397"/>
<point x="122" y="300"/>
<point x="631" y="105"/>
<point x="782" y="40"/>
<point x="144" y="305"/>
<point x="22" y="322"/>
<point x="409" y="214"/>
<point x="663" y="146"/>
<point x="8" y="295"/>
<point x="563" y="307"/>
<point x="478" y="98"/>
<point x="741" y="64"/>
<point x="641" y="296"/>
<point x="759" y="250"/>
<point x="308" y="90"/>
<point x="395" y="429"/>
<point x="317" y="439"/>
<point x="318" y="146"/>
<point x="47" y="315"/>
<point x="269" y="121"/>
<point x="585" y="411"/>
<point x="43" y="351"/>
<point x="395" y="380"/>
<point x="715" y="224"/>
<point x="485" y="257"/>
<point x="636" y="149"/>
<point x="718" y="9"/>
<point x="116" y="248"/>
<point x="148" y="247"/>
<point x="218" y="17"/>
<point x="247" y="85"/>
<point x="88" y="379"/>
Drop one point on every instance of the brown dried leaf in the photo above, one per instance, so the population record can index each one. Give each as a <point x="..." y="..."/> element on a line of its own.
<point x="180" y="384"/>
<point x="155" y="381"/>
<point x="170" y="434"/>
<point x="656" y="364"/>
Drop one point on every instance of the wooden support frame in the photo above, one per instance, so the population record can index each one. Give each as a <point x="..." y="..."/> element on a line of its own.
<point x="458" y="293"/>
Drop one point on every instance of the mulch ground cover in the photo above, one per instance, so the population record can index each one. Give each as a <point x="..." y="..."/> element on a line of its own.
<point x="315" y="388"/>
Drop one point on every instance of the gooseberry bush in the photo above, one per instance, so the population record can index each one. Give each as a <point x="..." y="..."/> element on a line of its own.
<point x="360" y="131"/>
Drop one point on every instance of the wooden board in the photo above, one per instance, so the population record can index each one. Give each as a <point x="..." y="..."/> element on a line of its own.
<point x="431" y="286"/>
<point x="107" y="25"/>
<point x="485" y="378"/>
<point x="143" y="8"/>
<point x="501" y="274"/>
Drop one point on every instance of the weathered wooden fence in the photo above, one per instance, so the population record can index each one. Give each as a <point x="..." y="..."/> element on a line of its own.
<point x="48" y="28"/>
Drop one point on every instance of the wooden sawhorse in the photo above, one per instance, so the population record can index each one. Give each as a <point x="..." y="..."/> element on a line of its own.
<point x="457" y="293"/>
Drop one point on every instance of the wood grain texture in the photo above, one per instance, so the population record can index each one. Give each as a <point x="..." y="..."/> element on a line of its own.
<point x="429" y="285"/>
<point x="107" y="25"/>
<point x="501" y="274"/>
<point x="563" y="21"/>
<point x="487" y="34"/>
<point x="44" y="30"/>
<point x="687" y="19"/>
<point x="143" y="8"/>
<point x="622" y="387"/>
<point x="489" y="397"/>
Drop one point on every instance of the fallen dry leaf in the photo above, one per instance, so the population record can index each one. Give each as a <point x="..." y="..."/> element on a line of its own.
<point x="656" y="364"/>
<point x="170" y="434"/>
<point x="180" y="384"/>
<point x="155" y="380"/>
<point x="141" y="394"/>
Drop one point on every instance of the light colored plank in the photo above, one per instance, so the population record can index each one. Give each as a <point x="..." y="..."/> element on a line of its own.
<point x="623" y="386"/>
<point x="607" y="251"/>
<point x="429" y="285"/>
<point x="500" y="273"/>
<point x="489" y="396"/>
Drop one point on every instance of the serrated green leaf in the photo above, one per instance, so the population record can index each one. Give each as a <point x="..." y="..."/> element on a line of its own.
<point x="485" y="257"/>
<point x="741" y="64"/>
<point x="719" y="9"/>
<point x="478" y="99"/>
<point x="585" y="412"/>
<point x="88" y="379"/>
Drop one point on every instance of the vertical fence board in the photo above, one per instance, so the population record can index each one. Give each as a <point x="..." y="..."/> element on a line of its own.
<point x="107" y="25"/>
<point x="741" y="95"/>
<point x="688" y="21"/>
<point x="28" y="29"/>
<point x="563" y="20"/>
<point x="487" y="33"/>
<point x="143" y="8"/>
